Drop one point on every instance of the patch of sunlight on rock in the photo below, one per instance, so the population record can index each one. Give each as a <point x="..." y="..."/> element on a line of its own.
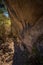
<point x="5" y="24"/>
<point x="5" y="20"/>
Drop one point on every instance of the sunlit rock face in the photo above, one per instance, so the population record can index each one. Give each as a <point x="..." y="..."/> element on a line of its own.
<point x="6" y="52"/>
<point x="5" y="26"/>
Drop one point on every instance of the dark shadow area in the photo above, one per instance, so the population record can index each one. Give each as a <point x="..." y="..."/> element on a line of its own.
<point x="20" y="57"/>
<point x="38" y="50"/>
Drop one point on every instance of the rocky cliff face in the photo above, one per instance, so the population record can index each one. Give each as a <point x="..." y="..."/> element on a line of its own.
<point x="27" y="27"/>
<point x="24" y="13"/>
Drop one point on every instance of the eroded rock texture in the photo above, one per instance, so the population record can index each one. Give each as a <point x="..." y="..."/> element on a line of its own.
<point x="27" y="27"/>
